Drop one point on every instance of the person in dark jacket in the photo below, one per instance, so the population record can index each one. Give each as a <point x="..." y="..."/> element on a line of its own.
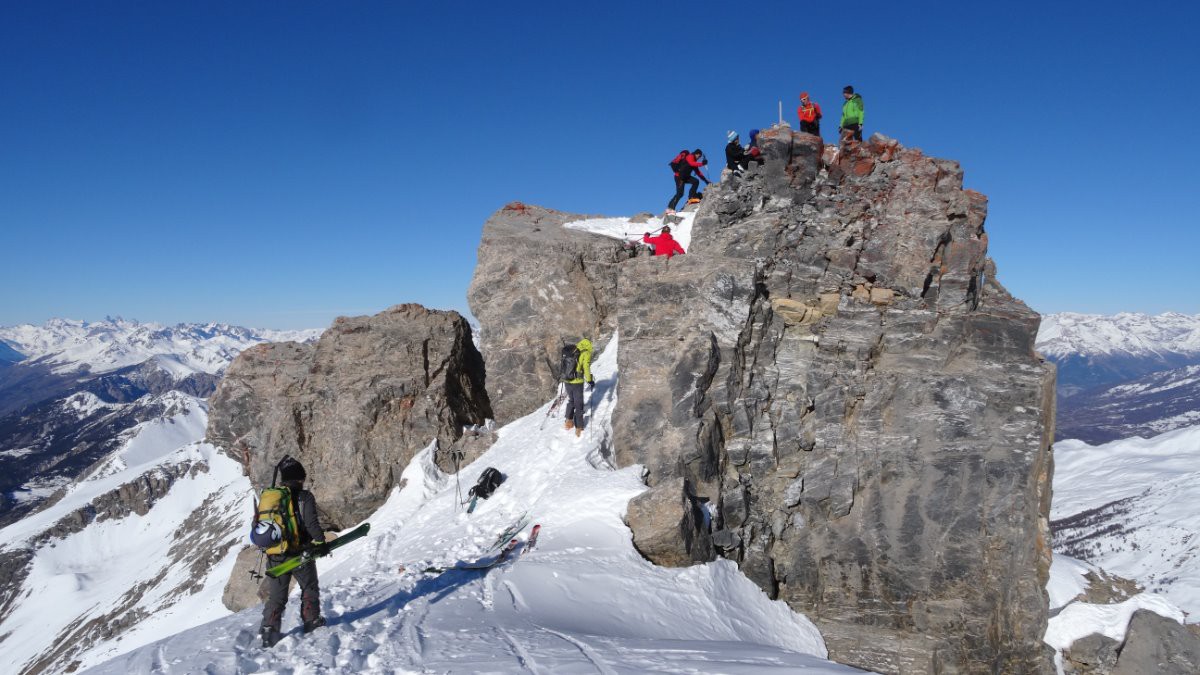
<point x="684" y="164"/>
<point x="664" y="244"/>
<point x="735" y="154"/>
<point x="292" y="476"/>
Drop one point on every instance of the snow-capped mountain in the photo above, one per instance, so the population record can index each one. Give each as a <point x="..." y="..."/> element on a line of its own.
<point x="74" y="387"/>
<point x="566" y="606"/>
<point x="1094" y="351"/>
<point x="103" y="346"/>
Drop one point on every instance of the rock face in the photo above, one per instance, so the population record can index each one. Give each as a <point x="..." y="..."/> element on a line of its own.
<point x="536" y="286"/>
<point x="669" y="527"/>
<point x="836" y="368"/>
<point x="355" y="406"/>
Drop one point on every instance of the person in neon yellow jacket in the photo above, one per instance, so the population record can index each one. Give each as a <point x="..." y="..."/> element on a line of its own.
<point x="583" y="373"/>
<point x="852" y="115"/>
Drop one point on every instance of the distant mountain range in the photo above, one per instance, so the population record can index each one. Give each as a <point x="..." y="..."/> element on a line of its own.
<point x="70" y="389"/>
<point x="1123" y="375"/>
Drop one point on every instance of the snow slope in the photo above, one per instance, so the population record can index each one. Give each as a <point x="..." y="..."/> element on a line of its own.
<point x="1129" y="507"/>
<point x="116" y="343"/>
<point x="583" y="601"/>
<point x="125" y="567"/>
<point x="625" y="230"/>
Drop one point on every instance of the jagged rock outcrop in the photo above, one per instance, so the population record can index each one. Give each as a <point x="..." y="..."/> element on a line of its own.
<point x="536" y="285"/>
<point x="1156" y="644"/>
<point x="835" y="366"/>
<point x="355" y="406"/>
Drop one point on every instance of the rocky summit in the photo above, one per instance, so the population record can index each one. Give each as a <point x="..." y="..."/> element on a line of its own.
<point x="835" y="374"/>
<point x="355" y="406"/>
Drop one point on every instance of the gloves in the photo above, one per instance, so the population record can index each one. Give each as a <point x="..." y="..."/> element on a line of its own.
<point x="591" y="386"/>
<point x="317" y="549"/>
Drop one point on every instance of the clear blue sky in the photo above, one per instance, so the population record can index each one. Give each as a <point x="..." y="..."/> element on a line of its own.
<point x="278" y="163"/>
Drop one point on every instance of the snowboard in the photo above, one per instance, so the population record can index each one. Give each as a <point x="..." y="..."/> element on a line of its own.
<point x="292" y="563"/>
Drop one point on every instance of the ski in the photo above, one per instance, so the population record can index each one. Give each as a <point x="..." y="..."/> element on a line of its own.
<point x="510" y="531"/>
<point x="488" y="562"/>
<point x="292" y="563"/>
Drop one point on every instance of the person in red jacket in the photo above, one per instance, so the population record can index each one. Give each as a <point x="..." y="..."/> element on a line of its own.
<point x="683" y="165"/>
<point x="810" y="115"/>
<point x="664" y="244"/>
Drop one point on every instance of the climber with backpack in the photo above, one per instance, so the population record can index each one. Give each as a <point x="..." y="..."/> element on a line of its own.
<point x="286" y="525"/>
<point x="575" y="368"/>
<point x="683" y="165"/>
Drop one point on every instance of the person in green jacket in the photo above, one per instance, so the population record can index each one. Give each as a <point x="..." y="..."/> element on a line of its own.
<point x="852" y="115"/>
<point x="583" y="373"/>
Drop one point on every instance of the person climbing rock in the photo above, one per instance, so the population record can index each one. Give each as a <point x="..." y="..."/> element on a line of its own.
<point x="735" y="154"/>
<point x="810" y="115"/>
<point x="664" y="244"/>
<point x="683" y="165"/>
<point x="292" y="476"/>
<point x="574" y="386"/>
<point x="852" y="115"/>
<point x="737" y="158"/>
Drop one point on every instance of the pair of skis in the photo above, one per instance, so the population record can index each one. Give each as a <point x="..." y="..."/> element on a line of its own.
<point x="487" y="562"/>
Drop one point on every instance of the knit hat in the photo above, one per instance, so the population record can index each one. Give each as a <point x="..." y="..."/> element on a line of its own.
<point x="804" y="95"/>
<point x="732" y="136"/>
<point x="291" y="470"/>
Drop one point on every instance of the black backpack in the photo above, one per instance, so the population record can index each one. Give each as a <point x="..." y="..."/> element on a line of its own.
<point x="488" y="481"/>
<point x="568" y="363"/>
<point x="677" y="163"/>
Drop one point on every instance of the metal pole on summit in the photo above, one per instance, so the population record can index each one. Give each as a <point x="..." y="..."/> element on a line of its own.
<point x="780" y="112"/>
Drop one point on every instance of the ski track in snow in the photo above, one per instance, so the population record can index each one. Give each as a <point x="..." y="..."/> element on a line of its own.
<point x="583" y="601"/>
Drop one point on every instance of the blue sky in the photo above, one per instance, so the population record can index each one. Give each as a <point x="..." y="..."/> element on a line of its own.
<point x="277" y="164"/>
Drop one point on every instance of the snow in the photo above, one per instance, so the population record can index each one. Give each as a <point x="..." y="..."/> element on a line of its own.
<point x="1068" y="333"/>
<point x="583" y="601"/>
<point x="116" y="343"/>
<point x="1158" y="543"/>
<point x="1066" y="580"/>
<point x="89" y="574"/>
<point x="623" y="229"/>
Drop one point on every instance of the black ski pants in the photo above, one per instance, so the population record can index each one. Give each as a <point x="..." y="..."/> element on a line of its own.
<point x="575" y="404"/>
<point x="813" y="127"/>
<point x="680" y="181"/>
<point x="277" y="593"/>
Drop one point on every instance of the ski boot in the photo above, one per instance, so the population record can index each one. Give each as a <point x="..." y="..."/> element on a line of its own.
<point x="270" y="636"/>
<point x="310" y="626"/>
<point x="569" y="425"/>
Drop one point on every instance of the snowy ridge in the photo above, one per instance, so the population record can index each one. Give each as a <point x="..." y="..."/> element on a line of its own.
<point x="1129" y="507"/>
<point x="115" y="343"/>
<point x="1067" y="334"/>
<point x="121" y="567"/>
<point x="583" y="601"/>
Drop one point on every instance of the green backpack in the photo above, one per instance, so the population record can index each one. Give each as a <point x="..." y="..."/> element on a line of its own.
<point x="275" y="527"/>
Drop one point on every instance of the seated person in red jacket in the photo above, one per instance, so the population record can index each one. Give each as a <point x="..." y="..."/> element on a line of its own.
<point x="664" y="244"/>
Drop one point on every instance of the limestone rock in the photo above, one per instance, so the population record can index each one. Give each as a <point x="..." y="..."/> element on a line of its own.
<point x="669" y="527"/>
<point x="836" y="367"/>
<point x="242" y="591"/>
<point x="355" y="406"/>
<point x="1092" y="655"/>
<point x="1156" y="644"/>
